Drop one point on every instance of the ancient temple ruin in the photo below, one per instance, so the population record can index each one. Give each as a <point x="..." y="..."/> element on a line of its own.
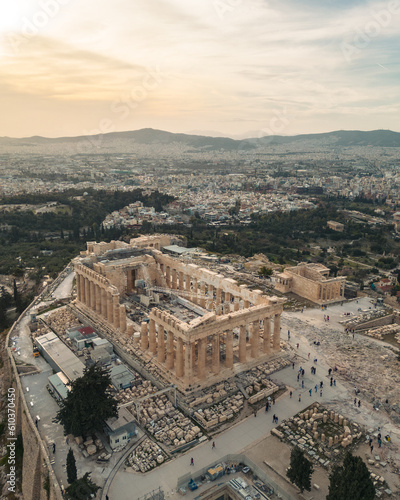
<point x="195" y="325"/>
<point x="312" y="282"/>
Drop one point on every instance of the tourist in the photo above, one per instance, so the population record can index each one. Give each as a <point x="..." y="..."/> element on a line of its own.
<point x="310" y="391"/>
<point x="302" y="384"/>
<point x="320" y="393"/>
<point x="299" y="398"/>
<point x="213" y="445"/>
<point x="290" y="394"/>
<point x="191" y="461"/>
<point x="355" y="401"/>
<point x="359" y="403"/>
<point x="334" y="382"/>
<point x="316" y="387"/>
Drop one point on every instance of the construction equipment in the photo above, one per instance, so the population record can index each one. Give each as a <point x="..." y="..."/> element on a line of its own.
<point x="35" y="351"/>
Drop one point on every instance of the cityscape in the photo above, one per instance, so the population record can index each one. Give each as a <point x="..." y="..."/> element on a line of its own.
<point x="199" y="250"/>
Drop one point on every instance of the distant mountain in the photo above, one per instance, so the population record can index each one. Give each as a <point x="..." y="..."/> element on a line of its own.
<point x="147" y="136"/>
<point x="382" y="138"/>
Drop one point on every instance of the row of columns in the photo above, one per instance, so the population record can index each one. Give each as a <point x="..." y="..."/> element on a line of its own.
<point x="209" y="298"/>
<point x="331" y="291"/>
<point x="179" y="355"/>
<point x="100" y="299"/>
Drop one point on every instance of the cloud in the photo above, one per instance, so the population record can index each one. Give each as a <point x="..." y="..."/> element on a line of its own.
<point x="218" y="61"/>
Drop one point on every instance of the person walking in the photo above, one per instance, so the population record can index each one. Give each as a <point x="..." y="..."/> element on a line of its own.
<point x="213" y="445"/>
<point x="310" y="391"/>
<point x="54" y="447"/>
<point x="299" y="398"/>
<point x="290" y="394"/>
<point x="191" y="461"/>
<point x="320" y="393"/>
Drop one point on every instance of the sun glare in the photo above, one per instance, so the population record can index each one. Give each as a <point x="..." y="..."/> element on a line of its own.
<point x="10" y="16"/>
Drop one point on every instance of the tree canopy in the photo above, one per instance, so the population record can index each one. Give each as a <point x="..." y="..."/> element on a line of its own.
<point x="300" y="470"/>
<point x="72" y="474"/>
<point x="88" y="404"/>
<point x="351" y="481"/>
<point x="82" y="488"/>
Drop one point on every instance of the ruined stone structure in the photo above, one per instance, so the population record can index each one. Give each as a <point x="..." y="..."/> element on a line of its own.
<point x="231" y="326"/>
<point x="312" y="282"/>
<point x="36" y="461"/>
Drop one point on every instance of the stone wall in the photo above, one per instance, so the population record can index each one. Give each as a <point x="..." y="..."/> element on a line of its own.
<point x="385" y="320"/>
<point x="36" y="463"/>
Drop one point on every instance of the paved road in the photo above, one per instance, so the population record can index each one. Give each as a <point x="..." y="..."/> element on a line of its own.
<point x="235" y="439"/>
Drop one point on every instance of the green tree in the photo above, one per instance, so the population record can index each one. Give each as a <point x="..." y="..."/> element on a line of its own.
<point x="351" y="481"/>
<point x="265" y="271"/>
<point x="88" y="404"/>
<point x="82" y="488"/>
<point x="72" y="474"/>
<point x="300" y="470"/>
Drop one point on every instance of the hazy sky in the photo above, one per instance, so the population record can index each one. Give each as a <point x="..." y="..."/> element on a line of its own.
<point x="224" y="67"/>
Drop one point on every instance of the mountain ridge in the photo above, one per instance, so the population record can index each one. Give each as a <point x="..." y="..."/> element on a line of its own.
<point x="150" y="136"/>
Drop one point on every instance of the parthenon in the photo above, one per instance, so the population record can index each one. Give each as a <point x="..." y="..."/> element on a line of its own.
<point x="202" y="326"/>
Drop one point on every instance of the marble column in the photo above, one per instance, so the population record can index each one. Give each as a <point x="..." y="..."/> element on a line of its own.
<point x="236" y="304"/>
<point x="87" y="292"/>
<point x="122" y="318"/>
<point x="201" y="361"/>
<point x="78" y="286"/>
<point x="202" y="294"/>
<point x="144" y="337"/>
<point x="104" y="303"/>
<point x="277" y="332"/>
<point x="160" y="345"/>
<point x="170" y="350"/>
<point x="82" y="288"/>
<point x="179" y="358"/>
<point x="229" y="349"/>
<point x="116" y="311"/>
<point x="187" y="283"/>
<point x="173" y="283"/>
<point x="210" y="290"/>
<point x="255" y="337"/>
<point x="92" y="297"/>
<point x="98" y="299"/>
<point x="267" y="336"/>
<point x="215" y="354"/>
<point x="168" y="276"/>
<point x="152" y="337"/>
<point x="246" y="304"/>
<point x="188" y="363"/>
<point x="218" y="296"/>
<point x="242" y="344"/>
<point x="195" y="291"/>
<point x="110" y="315"/>
<point x="181" y="284"/>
